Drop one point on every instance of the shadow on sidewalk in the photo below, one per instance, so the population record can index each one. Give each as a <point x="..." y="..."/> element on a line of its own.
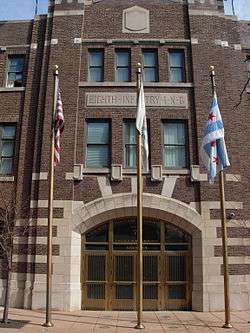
<point x="14" y="324"/>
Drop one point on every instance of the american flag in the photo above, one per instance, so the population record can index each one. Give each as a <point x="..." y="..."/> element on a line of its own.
<point x="58" y="123"/>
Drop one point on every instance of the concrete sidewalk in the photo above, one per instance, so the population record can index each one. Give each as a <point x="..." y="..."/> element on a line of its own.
<point x="28" y="321"/>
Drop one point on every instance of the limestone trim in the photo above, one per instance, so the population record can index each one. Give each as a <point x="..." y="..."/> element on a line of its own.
<point x="237" y="47"/>
<point x="16" y="46"/>
<point x="202" y="177"/>
<point x="199" y="12"/>
<point x="168" y="186"/>
<point x="165" y="172"/>
<point x="194" y="41"/>
<point x="90" y="215"/>
<point x="139" y="41"/>
<point x="33" y="46"/>
<point x="69" y="176"/>
<point x="86" y="217"/>
<point x="68" y="12"/>
<point x="39" y="175"/>
<point x="135" y="20"/>
<point x="104" y="186"/>
<point x="134" y="185"/>
<point x="230" y="177"/>
<point x="7" y="178"/>
<point x="12" y="89"/>
<point x="53" y="41"/>
<point x="77" y="40"/>
<point x="206" y="206"/>
<point x="133" y="84"/>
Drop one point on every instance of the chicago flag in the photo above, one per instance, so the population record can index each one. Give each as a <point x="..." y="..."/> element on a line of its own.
<point x="213" y="150"/>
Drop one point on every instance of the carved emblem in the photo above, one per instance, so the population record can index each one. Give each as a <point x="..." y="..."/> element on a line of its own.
<point x="135" y="20"/>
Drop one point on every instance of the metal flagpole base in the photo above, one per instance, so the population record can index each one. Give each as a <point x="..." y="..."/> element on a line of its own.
<point x="227" y="325"/>
<point x="49" y="324"/>
<point x="139" y="327"/>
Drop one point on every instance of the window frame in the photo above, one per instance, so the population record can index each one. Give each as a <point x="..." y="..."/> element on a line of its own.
<point x="101" y="51"/>
<point x="126" y="121"/>
<point x="2" y="125"/>
<point x="156" y="67"/>
<point x="183" y="67"/>
<point x="124" y="50"/>
<point x="175" y="121"/>
<point x="247" y="61"/>
<point x="11" y="56"/>
<point x="108" y="121"/>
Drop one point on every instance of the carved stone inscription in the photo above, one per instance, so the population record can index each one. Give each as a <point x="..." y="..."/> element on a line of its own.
<point x="174" y="100"/>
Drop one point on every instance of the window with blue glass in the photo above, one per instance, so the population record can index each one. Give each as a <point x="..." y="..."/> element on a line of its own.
<point x="150" y="65"/>
<point x="96" y="65"/>
<point x="98" y="144"/>
<point x="15" y="71"/>
<point x="123" y="65"/>
<point x="7" y="148"/>
<point x="175" y="144"/>
<point x="129" y="144"/>
<point x="177" y="66"/>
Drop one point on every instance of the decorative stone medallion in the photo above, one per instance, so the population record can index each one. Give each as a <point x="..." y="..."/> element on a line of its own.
<point x="135" y="20"/>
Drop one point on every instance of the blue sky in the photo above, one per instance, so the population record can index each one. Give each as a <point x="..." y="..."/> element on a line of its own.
<point x="24" y="9"/>
<point x="242" y="8"/>
<point x="20" y="9"/>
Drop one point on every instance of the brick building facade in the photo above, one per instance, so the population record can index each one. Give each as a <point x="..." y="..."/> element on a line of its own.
<point x="96" y="45"/>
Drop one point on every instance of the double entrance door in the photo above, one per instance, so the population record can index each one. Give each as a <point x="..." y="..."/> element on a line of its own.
<point x="109" y="276"/>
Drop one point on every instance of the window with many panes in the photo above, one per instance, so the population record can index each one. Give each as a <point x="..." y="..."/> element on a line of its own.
<point x="15" y="71"/>
<point x="177" y="66"/>
<point x="129" y="144"/>
<point x="150" y="64"/>
<point x="7" y="147"/>
<point x="98" y="144"/>
<point x="122" y="71"/>
<point x="96" y="64"/>
<point x="175" y="144"/>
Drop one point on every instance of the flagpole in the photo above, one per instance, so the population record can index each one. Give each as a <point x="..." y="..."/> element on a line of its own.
<point x="139" y="284"/>
<point x="36" y="7"/>
<point x="48" y="322"/>
<point x="224" y="232"/>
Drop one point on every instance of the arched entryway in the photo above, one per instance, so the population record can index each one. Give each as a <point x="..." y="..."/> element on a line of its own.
<point x="109" y="259"/>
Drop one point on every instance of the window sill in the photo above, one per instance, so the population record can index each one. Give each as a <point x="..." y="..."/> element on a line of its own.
<point x="165" y="172"/>
<point x="7" y="178"/>
<point x="133" y="84"/>
<point x="176" y="171"/>
<point x="169" y="84"/>
<point x="11" y="89"/>
<point x="94" y="171"/>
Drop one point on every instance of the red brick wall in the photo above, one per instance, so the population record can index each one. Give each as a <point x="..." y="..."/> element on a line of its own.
<point x="103" y="20"/>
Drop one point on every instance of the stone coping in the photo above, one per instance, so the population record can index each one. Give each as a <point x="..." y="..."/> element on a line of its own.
<point x="12" y="89"/>
<point x="133" y="84"/>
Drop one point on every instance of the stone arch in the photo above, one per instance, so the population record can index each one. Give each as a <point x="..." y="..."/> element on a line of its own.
<point x="90" y="215"/>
